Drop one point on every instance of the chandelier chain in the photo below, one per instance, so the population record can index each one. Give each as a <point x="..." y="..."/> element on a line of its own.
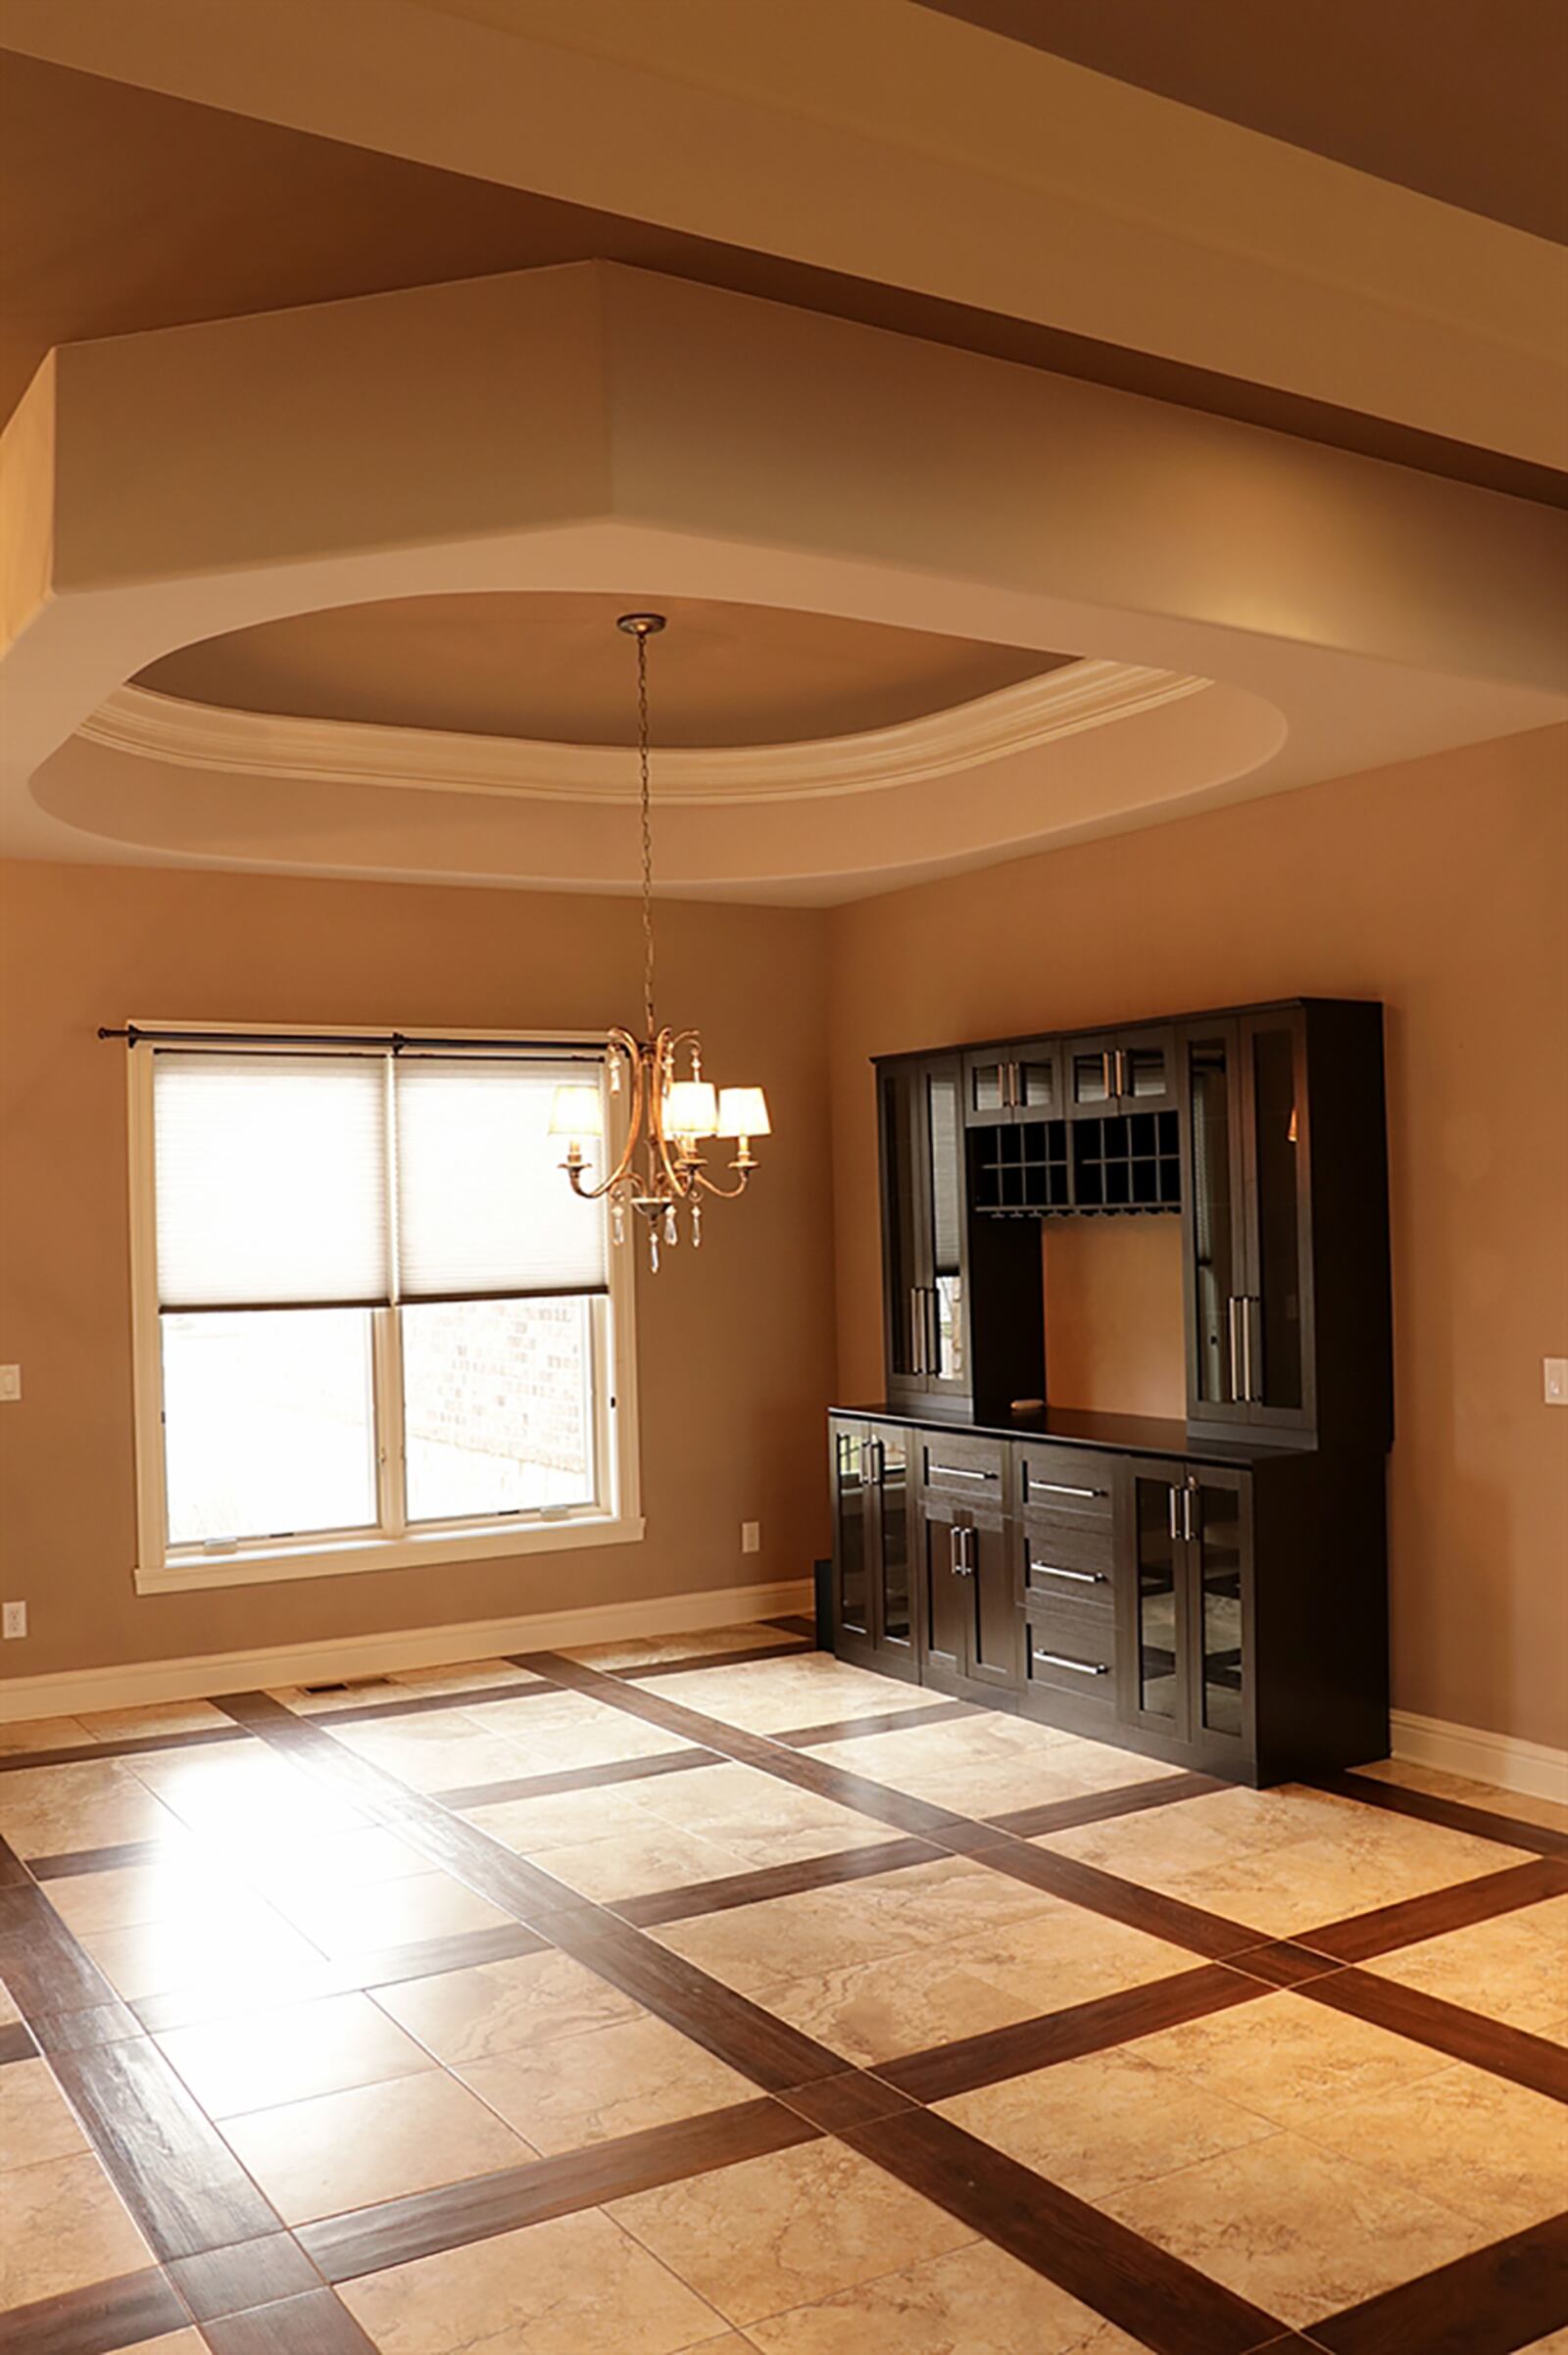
<point x="647" y="830"/>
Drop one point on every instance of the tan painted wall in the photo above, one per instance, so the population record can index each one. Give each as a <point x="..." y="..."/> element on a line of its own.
<point x="1441" y="887"/>
<point x="735" y="1346"/>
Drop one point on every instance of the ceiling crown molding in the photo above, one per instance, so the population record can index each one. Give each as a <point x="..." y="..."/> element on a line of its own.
<point x="1018" y="719"/>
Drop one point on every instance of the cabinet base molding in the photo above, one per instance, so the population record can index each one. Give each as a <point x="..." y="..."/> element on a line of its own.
<point x="1533" y="1768"/>
<point x="198" y="1677"/>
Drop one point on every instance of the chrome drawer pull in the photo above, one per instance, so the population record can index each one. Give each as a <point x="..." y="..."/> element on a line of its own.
<point x="958" y="1472"/>
<point x="1082" y="1578"/>
<point x="1055" y="1659"/>
<point x="1059" y="1488"/>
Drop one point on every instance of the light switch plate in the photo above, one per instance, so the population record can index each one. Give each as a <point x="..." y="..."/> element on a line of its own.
<point x="12" y="1619"/>
<point x="1556" y="1381"/>
<point x="751" y="1537"/>
<point x="9" y="1381"/>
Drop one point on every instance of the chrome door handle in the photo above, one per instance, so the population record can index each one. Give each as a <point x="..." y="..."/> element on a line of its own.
<point x="1191" y="1522"/>
<point x="1105" y="1073"/>
<point x="1233" y="1309"/>
<point x="1056" y="1659"/>
<point x="967" y="1550"/>
<point x="874" y="1459"/>
<point x="953" y="1549"/>
<point x="1171" y="1497"/>
<point x="916" y="1347"/>
<point x="1121" y="1074"/>
<point x="1080" y="1578"/>
<point x="1254" y="1307"/>
<point x="1060" y="1488"/>
<point x="1014" y="1091"/>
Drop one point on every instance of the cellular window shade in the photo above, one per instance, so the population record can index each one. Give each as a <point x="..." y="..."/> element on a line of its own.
<point x="484" y="1208"/>
<point x="271" y="1180"/>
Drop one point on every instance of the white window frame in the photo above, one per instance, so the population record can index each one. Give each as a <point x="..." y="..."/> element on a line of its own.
<point x="163" y="1570"/>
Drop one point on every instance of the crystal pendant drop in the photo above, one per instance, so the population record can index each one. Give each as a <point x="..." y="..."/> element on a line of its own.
<point x="652" y="1248"/>
<point x="617" y="1222"/>
<point x="671" y="1229"/>
<point x="697" y="1226"/>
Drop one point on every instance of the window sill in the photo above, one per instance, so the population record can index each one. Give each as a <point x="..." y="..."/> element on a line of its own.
<point x="432" y="1550"/>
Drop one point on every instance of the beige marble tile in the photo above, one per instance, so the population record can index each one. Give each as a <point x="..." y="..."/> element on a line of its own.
<point x="49" y="1810"/>
<point x="255" y="2060"/>
<point x="646" y="1651"/>
<point x="36" y="2121"/>
<point x="771" y="1697"/>
<point x="826" y="1929"/>
<point x="400" y="1912"/>
<point x="916" y="1755"/>
<point x="184" y="1878"/>
<point x="614" y="2081"/>
<point x="233" y="1944"/>
<point x="757" y="1817"/>
<point x="9" y="2013"/>
<point x="777" y="2232"/>
<point x="1493" y="2150"/>
<point x="371" y="2143"/>
<point x="236" y="1792"/>
<point x="655" y="1857"/>
<point x="176" y="2342"/>
<point x="464" y="1676"/>
<point x="576" y="2285"/>
<point x="1107" y="2120"/>
<point x="1293" y="2228"/>
<point x="973" y="2301"/>
<point x="443" y="1751"/>
<point x="156" y="1717"/>
<point x="501" y="2007"/>
<point x="42" y="1733"/>
<point x="1513" y="1968"/>
<point x="337" y="1861"/>
<point x="64" y="2227"/>
<point x="567" y="1819"/>
<point x="1286" y="2059"/>
<point x="1063" y="1955"/>
<point x="875" y="2011"/>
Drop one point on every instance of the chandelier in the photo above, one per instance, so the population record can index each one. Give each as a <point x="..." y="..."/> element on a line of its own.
<point x="661" y="1171"/>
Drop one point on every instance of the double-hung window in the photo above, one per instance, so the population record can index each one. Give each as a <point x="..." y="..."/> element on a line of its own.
<point x="374" y="1326"/>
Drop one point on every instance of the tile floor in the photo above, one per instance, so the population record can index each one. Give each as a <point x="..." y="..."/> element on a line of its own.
<point x="579" y="2006"/>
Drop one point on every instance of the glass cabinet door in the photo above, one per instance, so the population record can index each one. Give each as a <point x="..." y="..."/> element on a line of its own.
<point x="853" y="1534"/>
<point x="1275" y="1337"/>
<point x="1159" y="1636"/>
<point x="894" y="1558"/>
<point x="1215" y="1516"/>
<point x="897" y="1105"/>
<point x="987" y="1095"/>
<point x="1216" y="1240"/>
<point x="1146" y="1070"/>
<point x="1036" y="1087"/>
<point x="1091" y="1067"/>
<point x="945" y="1218"/>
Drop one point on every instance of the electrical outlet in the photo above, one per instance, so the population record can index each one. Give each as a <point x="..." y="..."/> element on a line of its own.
<point x="1556" y="1381"/>
<point x="12" y="1619"/>
<point x="9" y="1381"/>
<point x="751" y="1537"/>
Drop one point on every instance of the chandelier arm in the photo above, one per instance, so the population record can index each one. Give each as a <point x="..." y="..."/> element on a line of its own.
<point x="622" y="1169"/>
<point x="725" y="1193"/>
<point x="669" y="1167"/>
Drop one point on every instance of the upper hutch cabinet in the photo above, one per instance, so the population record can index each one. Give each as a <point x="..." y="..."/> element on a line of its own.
<point x="926" y="1309"/>
<point x="1120" y="1072"/>
<point x="1017" y="1082"/>
<point x="1287" y="1286"/>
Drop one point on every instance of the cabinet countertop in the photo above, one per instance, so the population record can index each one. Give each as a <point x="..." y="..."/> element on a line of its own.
<point x="1072" y="1427"/>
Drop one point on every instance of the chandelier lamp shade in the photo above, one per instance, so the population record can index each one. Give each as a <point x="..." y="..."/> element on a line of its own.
<point x="671" y="1110"/>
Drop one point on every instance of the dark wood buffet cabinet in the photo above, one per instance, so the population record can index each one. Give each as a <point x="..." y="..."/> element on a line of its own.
<point x="1210" y="1591"/>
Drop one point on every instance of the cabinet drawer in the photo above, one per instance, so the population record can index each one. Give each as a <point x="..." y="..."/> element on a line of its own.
<point x="1072" y="1652"/>
<point x="961" y="1467"/>
<point x="1065" y="1479"/>
<point x="1066" y="1560"/>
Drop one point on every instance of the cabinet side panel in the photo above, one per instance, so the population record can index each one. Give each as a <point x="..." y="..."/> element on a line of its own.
<point x="1321" y="1605"/>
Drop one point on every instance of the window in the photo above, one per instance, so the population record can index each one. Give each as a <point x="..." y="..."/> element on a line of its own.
<point x="373" y="1324"/>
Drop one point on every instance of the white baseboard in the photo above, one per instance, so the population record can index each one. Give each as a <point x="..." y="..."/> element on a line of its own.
<point x="1532" y="1768"/>
<point x="74" y="1691"/>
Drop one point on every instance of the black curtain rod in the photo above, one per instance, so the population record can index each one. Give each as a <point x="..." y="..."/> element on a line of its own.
<point x="396" y="1040"/>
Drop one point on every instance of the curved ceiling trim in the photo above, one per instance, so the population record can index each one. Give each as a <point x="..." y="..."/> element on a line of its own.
<point x="1084" y="695"/>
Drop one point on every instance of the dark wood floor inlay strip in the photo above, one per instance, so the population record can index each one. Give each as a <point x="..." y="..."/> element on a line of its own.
<point x="1359" y="1936"/>
<point x="1508" y="2295"/>
<point x="1086" y="1884"/>
<point x="943" y="2070"/>
<point x="773" y="2054"/>
<point x="417" y="1705"/>
<point x="889" y="1721"/>
<point x="1492" y="2044"/>
<point x="76" y="1861"/>
<point x="774" y="1881"/>
<point x="1102" y="1806"/>
<point x="41" y="1963"/>
<point x="1511" y="1831"/>
<point x="853" y="2098"/>
<point x="250" y="2273"/>
<point x="96" y="2321"/>
<point x="465" y="1795"/>
<point x="395" y="2233"/>
<point x="167" y="2160"/>
<point x="17" y="2043"/>
<point x="134" y="1745"/>
<point x="315" y="2324"/>
<point x="693" y="1661"/>
<point x="1165" y="2304"/>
